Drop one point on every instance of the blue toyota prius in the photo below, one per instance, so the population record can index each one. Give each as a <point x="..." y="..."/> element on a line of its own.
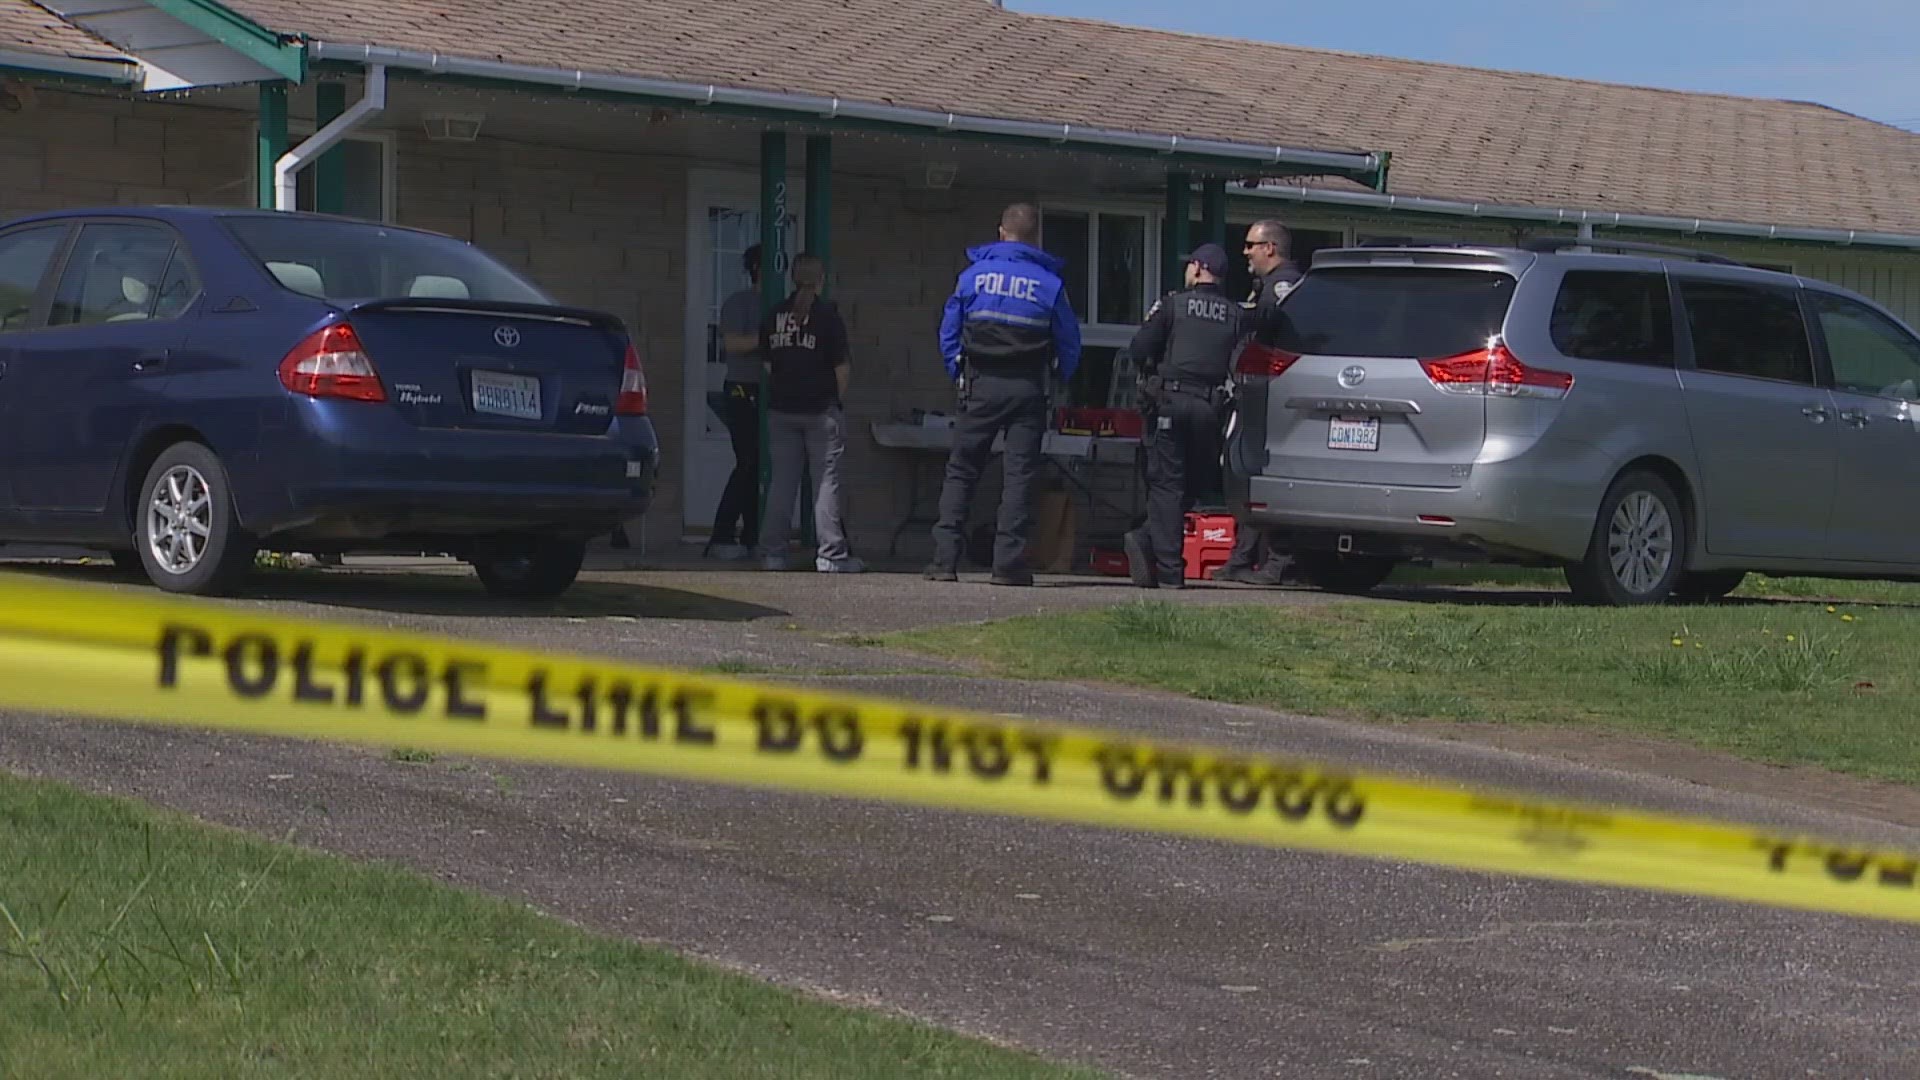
<point x="185" y="386"/>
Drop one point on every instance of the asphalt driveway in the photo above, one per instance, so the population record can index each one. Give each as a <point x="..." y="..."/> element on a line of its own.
<point x="1153" y="956"/>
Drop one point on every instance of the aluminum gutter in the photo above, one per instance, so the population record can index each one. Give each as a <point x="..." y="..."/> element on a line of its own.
<point x="1585" y="219"/>
<point x="812" y="107"/>
<point x="121" y="72"/>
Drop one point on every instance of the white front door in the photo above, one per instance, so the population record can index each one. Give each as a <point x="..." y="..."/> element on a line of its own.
<point x="723" y="221"/>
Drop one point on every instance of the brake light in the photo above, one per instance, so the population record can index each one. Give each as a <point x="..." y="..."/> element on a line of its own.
<point x="1495" y="371"/>
<point x="330" y="363"/>
<point x="1264" y="360"/>
<point x="633" y="386"/>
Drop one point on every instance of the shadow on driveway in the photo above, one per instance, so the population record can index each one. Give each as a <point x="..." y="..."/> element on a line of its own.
<point x="451" y="594"/>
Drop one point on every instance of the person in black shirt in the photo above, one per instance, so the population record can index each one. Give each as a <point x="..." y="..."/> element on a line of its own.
<point x="1253" y="561"/>
<point x="804" y="342"/>
<point x="1186" y="347"/>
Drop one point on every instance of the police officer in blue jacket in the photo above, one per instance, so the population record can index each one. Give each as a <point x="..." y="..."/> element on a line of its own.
<point x="1008" y="325"/>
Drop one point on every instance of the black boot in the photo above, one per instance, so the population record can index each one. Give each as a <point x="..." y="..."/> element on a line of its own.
<point x="1140" y="563"/>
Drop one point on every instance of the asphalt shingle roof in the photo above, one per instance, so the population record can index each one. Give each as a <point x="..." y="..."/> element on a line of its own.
<point x="31" y="28"/>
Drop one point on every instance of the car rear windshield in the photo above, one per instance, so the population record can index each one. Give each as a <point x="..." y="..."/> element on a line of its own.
<point x="1394" y="311"/>
<point x="347" y="261"/>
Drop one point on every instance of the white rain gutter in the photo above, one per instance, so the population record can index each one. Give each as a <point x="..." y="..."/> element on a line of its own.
<point x="838" y="108"/>
<point x="1586" y="220"/>
<point x="114" y="71"/>
<point x="373" y="99"/>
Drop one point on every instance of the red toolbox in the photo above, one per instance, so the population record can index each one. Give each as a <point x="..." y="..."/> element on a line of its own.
<point x="1107" y="423"/>
<point x="1208" y="544"/>
<point x="1108" y="561"/>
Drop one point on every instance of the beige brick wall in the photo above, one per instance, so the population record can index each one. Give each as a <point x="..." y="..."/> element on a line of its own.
<point x="75" y="149"/>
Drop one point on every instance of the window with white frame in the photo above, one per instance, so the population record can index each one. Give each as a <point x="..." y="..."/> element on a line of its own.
<point x="1111" y="260"/>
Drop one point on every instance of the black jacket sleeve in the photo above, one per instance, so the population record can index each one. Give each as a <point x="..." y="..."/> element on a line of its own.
<point x="1273" y="289"/>
<point x="1149" y="345"/>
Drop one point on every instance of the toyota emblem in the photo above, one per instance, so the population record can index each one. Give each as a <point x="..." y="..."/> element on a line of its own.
<point x="506" y="337"/>
<point x="1353" y="376"/>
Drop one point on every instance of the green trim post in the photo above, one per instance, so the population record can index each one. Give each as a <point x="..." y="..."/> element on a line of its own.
<point x="817" y="237"/>
<point x="284" y="58"/>
<point x="773" y="271"/>
<point x="1213" y="211"/>
<point x="330" y="172"/>
<point x="1177" y="232"/>
<point x="818" y="225"/>
<point x="272" y="142"/>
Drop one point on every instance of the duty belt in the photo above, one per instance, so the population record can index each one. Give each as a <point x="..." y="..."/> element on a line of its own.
<point x="1190" y="386"/>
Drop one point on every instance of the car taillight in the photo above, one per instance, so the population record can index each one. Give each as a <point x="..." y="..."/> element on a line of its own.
<point x="633" y="386"/>
<point x="331" y="363"/>
<point x="1258" y="359"/>
<point x="1497" y="372"/>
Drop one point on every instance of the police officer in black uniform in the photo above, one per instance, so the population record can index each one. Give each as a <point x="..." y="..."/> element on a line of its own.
<point x="1185" y="349"/>
<point x="1268" y="245"/>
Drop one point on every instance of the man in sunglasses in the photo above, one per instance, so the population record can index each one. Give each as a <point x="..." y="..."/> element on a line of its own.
<point x="1268" y="242"/>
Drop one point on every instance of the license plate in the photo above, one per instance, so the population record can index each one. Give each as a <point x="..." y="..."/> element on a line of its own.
<point x="1353" y="433"/>
<point x="517" y="396"/>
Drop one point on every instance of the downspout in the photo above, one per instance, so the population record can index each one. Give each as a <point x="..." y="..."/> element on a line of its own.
<point x="373" y="99"/>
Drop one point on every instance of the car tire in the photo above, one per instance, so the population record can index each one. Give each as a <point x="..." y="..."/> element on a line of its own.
<point x="1354" y="575"/>
<point x="1638" y="548"/>
<point x="1706" y="586"/>
<point x="541" y="569"/>
<point x="189" y="538"/>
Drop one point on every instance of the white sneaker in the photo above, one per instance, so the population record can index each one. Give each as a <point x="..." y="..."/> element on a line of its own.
<point x="729" y="552"/>
<point x="773" y="563"/>
<point x="848" y="565"/>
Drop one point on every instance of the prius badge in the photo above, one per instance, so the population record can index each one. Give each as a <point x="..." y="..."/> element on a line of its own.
<point x="1352" y="376"/>
<point x="506" y="336"/>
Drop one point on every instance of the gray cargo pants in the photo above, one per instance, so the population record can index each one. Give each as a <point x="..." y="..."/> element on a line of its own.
<point x="815" y="441"/>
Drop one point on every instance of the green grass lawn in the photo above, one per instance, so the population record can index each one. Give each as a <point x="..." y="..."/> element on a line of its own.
<point x="138" y="944"/>
<point x="1757" y="586"/>
<point x="1792" y="683"/>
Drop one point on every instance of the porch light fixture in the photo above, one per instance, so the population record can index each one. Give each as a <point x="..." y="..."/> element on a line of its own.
<point x="452" y="127"/>
<point x="940" y="177"/>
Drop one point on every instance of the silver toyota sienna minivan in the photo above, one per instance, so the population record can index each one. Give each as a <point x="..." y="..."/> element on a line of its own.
<point x="1658" y="422"/>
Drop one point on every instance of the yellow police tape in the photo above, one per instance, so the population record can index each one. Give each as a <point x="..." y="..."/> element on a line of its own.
<point x="109" y="654"/>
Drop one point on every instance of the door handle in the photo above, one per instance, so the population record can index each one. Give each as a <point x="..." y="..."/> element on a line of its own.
<point x="1815" y="413"/>
<point x="1857" y="417"/>
<point x="153" y="360"/>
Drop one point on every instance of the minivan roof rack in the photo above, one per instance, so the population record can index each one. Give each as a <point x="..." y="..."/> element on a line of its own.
<point x="1549" y="245"/>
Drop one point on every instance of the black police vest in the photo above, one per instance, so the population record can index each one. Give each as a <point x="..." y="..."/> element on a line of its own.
<point x="1206" y="327"/>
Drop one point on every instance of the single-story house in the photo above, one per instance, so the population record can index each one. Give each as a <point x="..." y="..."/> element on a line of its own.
<point x="625" y="152"/>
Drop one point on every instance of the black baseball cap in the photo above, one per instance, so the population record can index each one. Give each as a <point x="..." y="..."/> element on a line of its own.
<point x="1212" y="257"/>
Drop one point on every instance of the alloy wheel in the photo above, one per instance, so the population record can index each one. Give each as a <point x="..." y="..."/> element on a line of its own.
<point x="180" y="519"/>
